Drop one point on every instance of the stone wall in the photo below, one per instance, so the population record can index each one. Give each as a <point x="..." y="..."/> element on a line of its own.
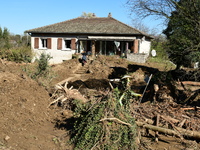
<point x="138" y="58"/>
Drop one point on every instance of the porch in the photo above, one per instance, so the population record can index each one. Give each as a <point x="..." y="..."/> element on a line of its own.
<point x="108" y="47"/>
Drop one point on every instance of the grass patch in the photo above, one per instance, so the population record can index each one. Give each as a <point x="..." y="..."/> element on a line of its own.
<point x="162" y="63"/>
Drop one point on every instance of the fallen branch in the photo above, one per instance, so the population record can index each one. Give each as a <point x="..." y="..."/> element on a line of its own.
<point x="182" y="123"/>
<point x="191" y="83"/>
<point x="185" y="116"/>
<point x="157" y="124"/>
<point x="116" y="120"/>
<point x="64" y="99"/>
<point x="168" y="118"/>
<point x="149" y="121"/>
<point x="172" y="124"/>
<point x="183" y="132"/>
<point x="59" y="98"/>
<point x="111" y="85"/>
<point x="191" y="108"/>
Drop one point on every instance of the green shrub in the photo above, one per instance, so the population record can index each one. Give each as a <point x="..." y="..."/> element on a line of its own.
<point x="106" y="125"/>
<point x="43" y="65"/>
<point x="40" y="70"/>
<point x="18" y="54"/>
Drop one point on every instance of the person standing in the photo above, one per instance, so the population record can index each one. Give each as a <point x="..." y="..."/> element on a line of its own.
<point x="84" y="58"/>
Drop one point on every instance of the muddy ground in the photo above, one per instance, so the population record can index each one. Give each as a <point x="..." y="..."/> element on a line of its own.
<point x="28" y="123"/>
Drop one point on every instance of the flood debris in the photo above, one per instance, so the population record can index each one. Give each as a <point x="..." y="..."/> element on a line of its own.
<point x="164" y="105"/>
<point x="163" y="117"/>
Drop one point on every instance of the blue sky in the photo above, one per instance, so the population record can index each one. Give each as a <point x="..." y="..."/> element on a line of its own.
<point x="21" y="15"/>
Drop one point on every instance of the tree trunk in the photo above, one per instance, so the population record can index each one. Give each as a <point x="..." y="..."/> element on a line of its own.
<point x="181" y="131"/>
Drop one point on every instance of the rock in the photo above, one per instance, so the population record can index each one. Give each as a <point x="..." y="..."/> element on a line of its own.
<point x="7" y="138"/>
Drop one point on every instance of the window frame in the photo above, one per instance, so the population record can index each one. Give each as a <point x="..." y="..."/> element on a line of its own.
<point x="64" y="45"/>
<point x="44" y="43"/>
<point x="41" y="46"/>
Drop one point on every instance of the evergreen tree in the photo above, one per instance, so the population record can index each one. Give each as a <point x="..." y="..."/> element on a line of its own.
<point x="6" y="38"/>
<point x="1" y="38"/>
<point x="1" y="34"/>
<point x="183" y="32"/>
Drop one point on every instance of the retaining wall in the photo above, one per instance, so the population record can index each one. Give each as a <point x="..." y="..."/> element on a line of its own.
<point x="138" y="58"/>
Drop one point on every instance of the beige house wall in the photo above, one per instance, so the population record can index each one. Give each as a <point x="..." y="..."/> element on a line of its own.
<point x="58" y="56"/>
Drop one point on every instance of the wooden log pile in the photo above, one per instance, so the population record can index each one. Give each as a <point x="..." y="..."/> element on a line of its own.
<point x="165" y="117"/>
<point x="168" y="118"/>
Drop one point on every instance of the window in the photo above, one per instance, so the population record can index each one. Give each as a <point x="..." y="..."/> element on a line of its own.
<point x="67" y="43"/>
<point x="44" y="43"/>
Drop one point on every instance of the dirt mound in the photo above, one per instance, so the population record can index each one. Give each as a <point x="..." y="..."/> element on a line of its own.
<point x="23" y="111"/>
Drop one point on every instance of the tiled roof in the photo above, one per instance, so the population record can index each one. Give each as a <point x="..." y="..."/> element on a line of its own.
<point x="97" y="25"/>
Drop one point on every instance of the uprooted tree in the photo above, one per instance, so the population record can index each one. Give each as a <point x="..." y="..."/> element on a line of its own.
<point x="107" y="123"/>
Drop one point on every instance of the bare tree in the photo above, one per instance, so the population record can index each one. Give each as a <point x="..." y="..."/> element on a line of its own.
<point x="159" y="8"/>
<point x="138" y="24"/>
<point x="183" y="25"/>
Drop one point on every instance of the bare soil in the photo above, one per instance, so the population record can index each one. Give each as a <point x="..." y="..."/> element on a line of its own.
<point x="28" y="123"/>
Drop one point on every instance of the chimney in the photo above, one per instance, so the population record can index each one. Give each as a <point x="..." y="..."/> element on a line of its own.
<point x="93" y="15"/>
<point x="109" y="15"/>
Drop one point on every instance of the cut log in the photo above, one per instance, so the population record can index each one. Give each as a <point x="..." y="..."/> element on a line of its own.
<point x="192" y="108"/>
<point x="191" y="83"/>
<point x="182" y="123"/>
<point x="185" y="133"/>
<point x="172" y="124"/>
<point x="168" y="118"/>
<point x="181" y="131"/>
<point x="157" y="124"/>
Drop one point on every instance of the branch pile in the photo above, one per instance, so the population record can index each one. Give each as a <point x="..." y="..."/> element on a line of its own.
<point x="165" y="117"/>
<point x="168" y="118"/>
<point x="63" y="95"/>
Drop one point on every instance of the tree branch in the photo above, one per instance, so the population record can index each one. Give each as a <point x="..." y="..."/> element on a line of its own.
<point x="116" y="120"/>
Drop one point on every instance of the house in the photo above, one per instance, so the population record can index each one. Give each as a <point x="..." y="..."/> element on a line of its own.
<point x="97" y="35"/>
